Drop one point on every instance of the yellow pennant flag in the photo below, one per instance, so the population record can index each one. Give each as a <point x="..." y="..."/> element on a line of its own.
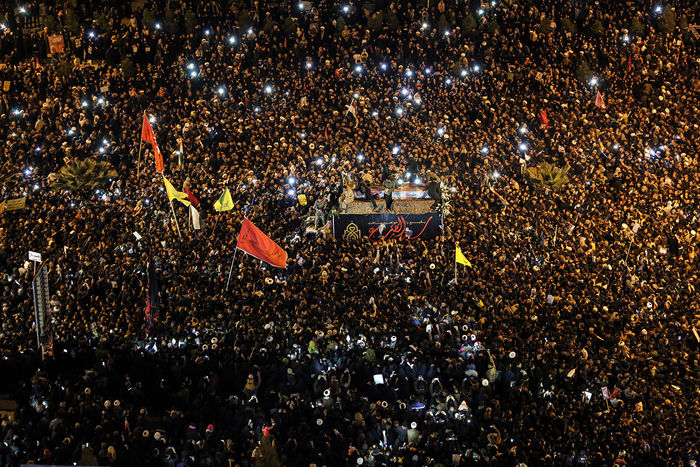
<point x="460" y="258"/>
<point x="174" y="194"/>
<point x="225" y="203"/>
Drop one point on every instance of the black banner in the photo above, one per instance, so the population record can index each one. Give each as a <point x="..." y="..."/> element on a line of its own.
<point x="387" y="226"/>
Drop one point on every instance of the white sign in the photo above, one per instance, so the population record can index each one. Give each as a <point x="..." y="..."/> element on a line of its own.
<point x="34" y="256"/>
<point x="138" y="237"/>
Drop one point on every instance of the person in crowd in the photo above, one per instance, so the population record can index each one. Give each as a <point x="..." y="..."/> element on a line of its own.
<point x="571" y="340"/>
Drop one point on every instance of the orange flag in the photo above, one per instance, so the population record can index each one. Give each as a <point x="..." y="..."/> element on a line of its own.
<point x="254" y="242"/>
<point x="150" y="137"/>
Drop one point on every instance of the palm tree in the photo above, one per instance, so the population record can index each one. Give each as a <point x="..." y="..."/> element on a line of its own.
<point x="83" y="175"/>
<point x="546" y="176"/>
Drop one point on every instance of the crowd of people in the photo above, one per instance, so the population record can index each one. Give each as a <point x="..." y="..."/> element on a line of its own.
<point x="571" y="339"/>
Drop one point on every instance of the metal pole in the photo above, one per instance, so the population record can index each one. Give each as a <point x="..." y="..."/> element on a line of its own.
<point x="138" y="167"/>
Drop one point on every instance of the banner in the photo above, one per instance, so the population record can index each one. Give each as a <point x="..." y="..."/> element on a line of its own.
<point x="56" y="44"/>
<point x="387" y="226"/>
<point x="15" y="204"/>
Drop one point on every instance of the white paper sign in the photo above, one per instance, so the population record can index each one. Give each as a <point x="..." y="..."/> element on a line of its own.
<point x="34" y="256"/>
<point x="138" y="237"/>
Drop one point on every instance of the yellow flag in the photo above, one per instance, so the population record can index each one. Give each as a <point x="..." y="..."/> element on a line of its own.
<point x="302" y="199"/>
<point x="174" y="194"/>
<point x="459" y="257"/>
<point x="225" y="203"/>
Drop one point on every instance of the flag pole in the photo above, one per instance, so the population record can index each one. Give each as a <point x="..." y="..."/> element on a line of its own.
<point x="455" y="271"/>
<point x="172" y="209"/>
<point x="245" y="211"/>
<point x="138" y="167"/>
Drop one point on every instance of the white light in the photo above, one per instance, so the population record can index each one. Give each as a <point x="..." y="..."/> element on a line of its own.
<point x="207" y="32"/>
<point x="231" y="40"/>
<point x="594" y="81"/>
<point x="72" y="205"/>
<point x="302" y="135"/>
<point x="523" y="130"/>
<point x="493" y="3"/>
<point x="3" y="26"/>
<point x="496" y="174"/>
<point x="523" y="147"/>
<point x="356" y="95"/>
<point x="375" y="113"/>
<point x="250" y="30"/>
<point x="417" y="100"/>
<point x="319" y="161"/>
<point x="309" y="65"/>
<point x="13" y="134"/>
<point x="291" y="192"/>
<point x="256" y="109"/>
<point x="360" y="157"/>
<point x="477" y="68"/>
<point x="221" y="91"/>
<point x="616" y="146"/>
<point x="480" y="11"/>
<point x="346" y="8"/>
<point x="658" y="9"/>
<point x="91" y="34"/>
<point x="404" y="92"/>
<point x="417" y="181"/>
<point x="399" y="181"/>
<point x="427" y="71"/>
<point x="36" y="187"/>
<point x="193" y="74"/>
<point x="158" y="26"/>
<point x="104" y="197"/>
<point x="440" y="131"/>
<point x="484" y="150"/>
<point x="333" y="159"/>
<point x="424" y="26"/>
<point x="626" y="38"/>
<point x="22" y="10"/>
<point x="396" y="150"/>
<point x="100" y="101"/>
<point x="291" y="180"/>
<point x="147" y="201"/>
<point x="268" y="89"/>
<point x="409" y="73"/>
<point x="448" y="81"/>
<point x="151" y="119"/>
<point x="191" y="66"/>
<point x="453" y="189"/>
<point x="102" y="150"/>
<point x="408" y="174"/>
<point x="446" y="33"/>
<point x="383" y="66"/>
<point x="399" y="111"/>
<point x="28" y="171"/>
<point x="301" y="5"/>
<point x="464" y="72"/>
<point x="16" y="111"/>
<point x="105" y="142"/>
<point x="358" y="68"/>
<point x="84" y="103"/>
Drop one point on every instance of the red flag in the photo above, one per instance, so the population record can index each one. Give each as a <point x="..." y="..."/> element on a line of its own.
<point x="257" y="244"/>
<point x="544" y="121"/>
<point x="629" y="63"/>
<point x="192" y="198"/>
<point x="599" y="100"/>
<point x="150" y="137"/>
<point x="325" y="132"/>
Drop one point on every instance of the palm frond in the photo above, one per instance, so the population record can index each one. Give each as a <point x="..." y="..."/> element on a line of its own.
<point x="83" y="175"/>
<point x="547" y="176"/>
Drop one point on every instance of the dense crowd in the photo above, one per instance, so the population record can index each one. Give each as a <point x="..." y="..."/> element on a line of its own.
<point x="571" y="339"/>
